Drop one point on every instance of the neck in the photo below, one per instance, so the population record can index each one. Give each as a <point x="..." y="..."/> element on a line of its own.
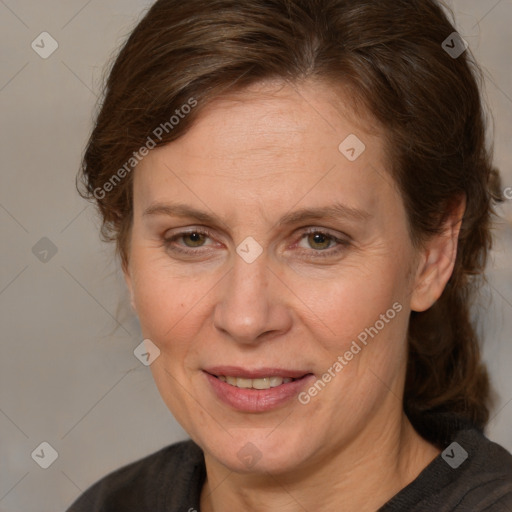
<point x="361" y="476"/>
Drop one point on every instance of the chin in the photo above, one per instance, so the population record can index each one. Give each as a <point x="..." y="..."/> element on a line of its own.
<point x="257" y="450"/>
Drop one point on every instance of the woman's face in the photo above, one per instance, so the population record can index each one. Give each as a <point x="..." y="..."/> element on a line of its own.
<point x="262" y="249"/>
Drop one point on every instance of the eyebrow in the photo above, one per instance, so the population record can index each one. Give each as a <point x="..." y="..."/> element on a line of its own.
<point x="334" y="211"/>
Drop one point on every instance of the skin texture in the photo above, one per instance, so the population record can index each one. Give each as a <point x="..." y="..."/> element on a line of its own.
<point x="251" y="158"/>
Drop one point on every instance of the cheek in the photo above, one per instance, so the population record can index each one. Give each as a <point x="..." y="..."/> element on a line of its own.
<point x="345" y="305"/>
<point x="359" y="342"/>
<point x="165" y="301"/>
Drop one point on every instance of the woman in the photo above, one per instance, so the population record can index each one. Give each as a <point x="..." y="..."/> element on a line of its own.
<point x="301" y="197"/>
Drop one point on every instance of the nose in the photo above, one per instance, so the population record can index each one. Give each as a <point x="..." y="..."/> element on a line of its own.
<point x="252" y="304"/>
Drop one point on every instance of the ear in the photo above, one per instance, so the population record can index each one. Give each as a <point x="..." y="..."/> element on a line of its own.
<point x="436" y="260"/>
<point x="129" y="284"/>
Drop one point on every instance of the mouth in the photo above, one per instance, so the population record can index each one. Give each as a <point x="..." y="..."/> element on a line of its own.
<point x="256" y="390"/>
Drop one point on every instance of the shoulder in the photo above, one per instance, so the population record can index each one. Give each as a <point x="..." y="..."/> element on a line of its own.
<point x="166" y="480"/>
<point x="472" y="474"/>
<point x="485" y="476"/>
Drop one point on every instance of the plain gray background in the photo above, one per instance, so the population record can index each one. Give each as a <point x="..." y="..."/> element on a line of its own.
<point x="68" y="375"/>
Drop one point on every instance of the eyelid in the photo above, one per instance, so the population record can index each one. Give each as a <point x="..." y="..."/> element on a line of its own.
<point x="186" y="231"/>
<point x="325" y="231"/>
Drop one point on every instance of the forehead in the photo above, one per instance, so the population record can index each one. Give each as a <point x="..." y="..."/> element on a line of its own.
<point x="271" y="143"/>
<point x="276" y="117"/>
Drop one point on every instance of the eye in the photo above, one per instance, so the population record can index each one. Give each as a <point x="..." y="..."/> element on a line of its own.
<point x="318" y="240"/>
<point x="193" y="239"/>
<point x="322" y="242"/>
<point x="196" y="238"/>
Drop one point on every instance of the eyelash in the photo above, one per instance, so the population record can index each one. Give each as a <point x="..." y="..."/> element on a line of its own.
<point x="324" y="253"/>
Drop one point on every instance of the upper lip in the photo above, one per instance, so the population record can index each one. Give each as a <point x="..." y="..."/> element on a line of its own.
<point x="255" y="373"/>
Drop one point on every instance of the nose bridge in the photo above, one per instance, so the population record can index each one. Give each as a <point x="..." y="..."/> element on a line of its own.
<point x="244" y="309"/>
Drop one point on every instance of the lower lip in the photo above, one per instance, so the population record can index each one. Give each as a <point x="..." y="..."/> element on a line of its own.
<point x="257" y="400"/>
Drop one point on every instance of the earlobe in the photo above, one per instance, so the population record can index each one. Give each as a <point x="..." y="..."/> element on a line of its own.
<point x="436" y="261"/>
<point x="429" y="285"/>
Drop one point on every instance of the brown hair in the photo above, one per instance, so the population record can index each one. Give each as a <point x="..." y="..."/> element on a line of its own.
<point x="389" y="55"/>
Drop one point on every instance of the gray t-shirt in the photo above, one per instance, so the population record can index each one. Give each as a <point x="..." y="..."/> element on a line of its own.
<point x="472" y="474"/>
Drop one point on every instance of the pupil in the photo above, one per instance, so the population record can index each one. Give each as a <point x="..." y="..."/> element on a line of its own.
<point x="320" y="239"/>
<point x="194" y="238"/>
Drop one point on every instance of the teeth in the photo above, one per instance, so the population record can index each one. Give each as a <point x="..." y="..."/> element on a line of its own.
<point x="231" y="380"/>
<point x="276" y="381"/>
<point x="264" y="383"/>
<point x="243" y="383"/>
<point x="261" y="383"/>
